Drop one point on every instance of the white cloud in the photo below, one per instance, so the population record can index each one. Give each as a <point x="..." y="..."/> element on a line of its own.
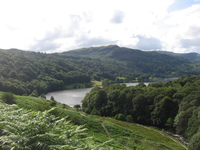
<point x="117" y="17"/>
<point x="59" y="25"/>
<point x="179" y="25"/>
<point x="148" y="43"/>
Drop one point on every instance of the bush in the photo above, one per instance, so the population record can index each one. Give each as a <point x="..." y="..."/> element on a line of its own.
<point x="8" y="98"/>
<point x="77" y="106"/>
<point x="34" y="93"/>
<point x="95" y="112"/>
<point x="120" y="117"/>
<point x="129" y="118"/>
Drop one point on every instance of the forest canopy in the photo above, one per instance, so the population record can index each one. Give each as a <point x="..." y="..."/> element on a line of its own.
<point x="172" y="105"/>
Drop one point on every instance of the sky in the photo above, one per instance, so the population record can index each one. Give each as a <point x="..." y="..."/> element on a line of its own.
<point x="62" y="25"/>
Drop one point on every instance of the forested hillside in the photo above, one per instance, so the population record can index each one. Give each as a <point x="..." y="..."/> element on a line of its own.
<point x="145" y="63"/>
<point x="35" y="73"/>
<point x="190" y="56"/>
<point x="173" y="105"/>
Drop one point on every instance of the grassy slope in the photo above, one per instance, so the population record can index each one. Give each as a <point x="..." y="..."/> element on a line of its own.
<point x="123" y="135"/>
<point x="147" y="137"/>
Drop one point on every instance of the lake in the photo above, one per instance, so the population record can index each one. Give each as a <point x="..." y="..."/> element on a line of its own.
<point x="69" y="97"/>
<point x="75" y="96"/>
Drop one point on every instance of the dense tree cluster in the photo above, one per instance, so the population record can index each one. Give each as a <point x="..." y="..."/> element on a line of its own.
<point x="173" y="105"/>
<point x="27" y="72"/>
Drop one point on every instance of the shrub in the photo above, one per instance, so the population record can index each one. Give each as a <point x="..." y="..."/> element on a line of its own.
<point x="8" y="98"/>
<point x="120" y="117"/>
<point x="129" y="118"/>
<point x="77" y="106"/>
<point x="34" y="93"/>
<point x="43" y="96"/>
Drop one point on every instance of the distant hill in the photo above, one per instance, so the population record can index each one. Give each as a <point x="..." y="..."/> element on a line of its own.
<point x="151" y="63"/>
<point x="25" y="72"/>
<point x="190" y="56"/>
<point x="125" y="55"/>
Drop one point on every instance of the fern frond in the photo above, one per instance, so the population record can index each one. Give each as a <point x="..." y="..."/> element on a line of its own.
<point x="27" y="130"/>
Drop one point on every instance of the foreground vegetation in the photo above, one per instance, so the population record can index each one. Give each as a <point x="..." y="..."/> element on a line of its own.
<point x="36" y="123"/>
<point x="38" y="130"/>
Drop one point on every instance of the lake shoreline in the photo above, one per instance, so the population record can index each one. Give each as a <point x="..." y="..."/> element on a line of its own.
<point x="73" y="97"/>
<point x="82" y="85"/>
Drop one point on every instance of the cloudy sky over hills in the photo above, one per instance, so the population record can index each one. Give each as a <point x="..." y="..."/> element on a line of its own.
<point x="60" y="25"/>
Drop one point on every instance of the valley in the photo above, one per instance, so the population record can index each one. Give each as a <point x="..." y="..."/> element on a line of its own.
<point x="114" y="116"/>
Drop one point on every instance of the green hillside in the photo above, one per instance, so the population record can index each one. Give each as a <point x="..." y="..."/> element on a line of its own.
<point x="27" y="130"/>
<point x="35" y="73"/>
<point x="142" y="62"/>
<point x="190" y="56"/>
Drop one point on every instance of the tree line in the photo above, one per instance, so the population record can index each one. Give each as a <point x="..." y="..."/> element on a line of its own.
<point x="172" y="105"/>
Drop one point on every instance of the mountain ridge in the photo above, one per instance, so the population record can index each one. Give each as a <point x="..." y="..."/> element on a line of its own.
<point x="192" y="56"/>
<point x="22" y="72"/>
<point x="113" y="51"/>
<point x="144" y="61"/>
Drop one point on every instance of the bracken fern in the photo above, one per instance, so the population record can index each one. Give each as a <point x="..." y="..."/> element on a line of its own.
<point x="28" y="130"/>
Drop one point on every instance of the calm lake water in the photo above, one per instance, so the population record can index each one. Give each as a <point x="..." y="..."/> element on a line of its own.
<point x="75" y="96"/>
<point x="69" y="97"/>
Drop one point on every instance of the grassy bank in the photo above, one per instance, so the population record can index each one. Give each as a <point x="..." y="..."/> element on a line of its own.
<point x="117" y="134"/>
<point x="96" y="83"/>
